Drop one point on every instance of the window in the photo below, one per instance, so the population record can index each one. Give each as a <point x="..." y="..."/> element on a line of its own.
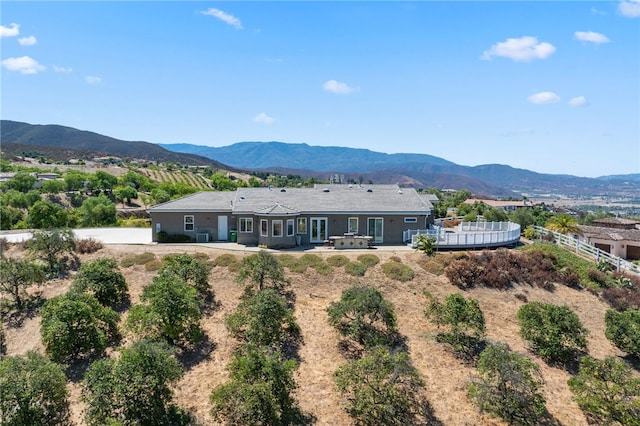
<point x="410" y="220"/>
<point x="353" y="225"/>
<point x="289" y="227"/>
<point x="264" y="228"/>
<point x="302" y="225"/>
<point x="246" y="224"/>
<point x="189" y="223"/>
<point x="276" y="228"/>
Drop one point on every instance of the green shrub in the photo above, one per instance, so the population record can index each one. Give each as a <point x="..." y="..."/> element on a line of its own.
<point x="225" y="259"/>
<point x="357" y="269"/>
<point x="465" y="323"/>
<point x="607" y="391"/>
<point x="102" y="278"/>
<point x="203" y="257"/>
<point x="164" y="237"/>
<point x="133" y="222"/>
<point x="363" y="314"/>
<point x="623" y="329"/>
<point x="554" y="332"/>
<point x="76" y="325"/>
<point x="153" y="265"/>
<point x="311" y="259"/>
<point x="563" y="258"/>
<point x="368" y="259"/>
<point x="508" y="385"/>
<point x="323" y="268"/>
<point x="286" y="260"/>
<point x="32" y="391"/>
<point x="397" y="271"/>
<point x="139" y="259"/>
<point x="337" y="260"/>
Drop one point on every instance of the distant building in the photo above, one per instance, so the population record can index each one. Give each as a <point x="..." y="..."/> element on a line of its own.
<point x="505" y="205"/>
<point x="617" y="236"/>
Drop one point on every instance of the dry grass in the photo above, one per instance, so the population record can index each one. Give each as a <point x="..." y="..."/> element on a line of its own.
<point x="445" y="376"/>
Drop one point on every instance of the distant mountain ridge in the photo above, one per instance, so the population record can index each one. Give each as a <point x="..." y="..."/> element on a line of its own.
<point x="415" y="169"/>
<point x="24" y="135"/>
<point x="267" y="155"/>
<point x="419" y="170"/>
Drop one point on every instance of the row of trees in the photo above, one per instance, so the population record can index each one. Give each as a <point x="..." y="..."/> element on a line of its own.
<point x="379" y="384"/>
<point x="134" y="388"/>
<point x="261" y="382"/>
<point x="509" y="385"/>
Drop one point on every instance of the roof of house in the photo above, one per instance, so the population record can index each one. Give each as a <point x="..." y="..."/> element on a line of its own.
<point x="327" y="199"/>
<point x="613" y="234"/>
<point x="616" y="221"/>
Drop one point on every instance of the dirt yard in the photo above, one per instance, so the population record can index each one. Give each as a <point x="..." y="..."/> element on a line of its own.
<point x="446" y="377"/>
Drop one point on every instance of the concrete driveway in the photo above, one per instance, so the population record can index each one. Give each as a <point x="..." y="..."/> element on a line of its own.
<point x="104" y="235"/>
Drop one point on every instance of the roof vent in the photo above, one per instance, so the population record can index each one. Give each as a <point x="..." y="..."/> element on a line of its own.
<point x="325" y="190"/>
<point x="369" y="190"/>
<point x="283" y="190"/>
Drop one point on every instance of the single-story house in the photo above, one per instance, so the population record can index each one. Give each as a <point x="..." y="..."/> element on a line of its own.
<point x="617" y="236"/>
<point x="286" y="217"/>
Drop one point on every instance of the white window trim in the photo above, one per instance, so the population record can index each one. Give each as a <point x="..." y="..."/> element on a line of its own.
<point x="349" y="225"/>
<point x="273" y="228"/>
<point x="248" y="225"/>
<point x="292" y="227"/>
<point x="192" y="223"/>
<point x="264" y="228"/>
<point x="306" y="228"/>
<point x="411" y="219"/>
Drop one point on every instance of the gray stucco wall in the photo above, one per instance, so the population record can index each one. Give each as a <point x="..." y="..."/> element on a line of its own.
<point x="173" y="224"/>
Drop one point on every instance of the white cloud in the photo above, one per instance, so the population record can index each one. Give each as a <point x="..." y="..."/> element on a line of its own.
<point x="263" y="118"/>
<point x="521" y="49"/>
<point x="93" y="80"/>
<point x="27" y="41"/>
<point x="544" y="98"/>
<point x="224" y="17"/>
<point x="23" y="64"/>
<point x="595" y="11"/>
<point x="629" y="8"/>
<point x="11" y="31"/>
<point x="578" y="101"/>
<point x="339" y="87"/>
<point x="61" y="69"/>
<point x="592" y="37"/>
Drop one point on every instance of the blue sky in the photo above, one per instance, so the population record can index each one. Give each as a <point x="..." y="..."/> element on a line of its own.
<point x="548" y="86"/>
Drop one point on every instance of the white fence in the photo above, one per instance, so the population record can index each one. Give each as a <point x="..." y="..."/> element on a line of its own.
<point x="580" y="247"/>
<point x="469" y="235"/>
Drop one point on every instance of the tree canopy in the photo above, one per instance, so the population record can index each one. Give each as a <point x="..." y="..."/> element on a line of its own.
<point x="16" y="276"/>
<point x="134" y="389"/>
<point x="554" y="332"/>
<point x="262" y="270"/>
<point x="364" y="315"/>
<point x="76" y="325"/>
<point x="607" y="391"/>
<point x="508" y="385"/>
<point x="32" y="392"/>
<point x="102" y="278"/>
<point x="382" y="388"/>
<point x="172" y="311"/>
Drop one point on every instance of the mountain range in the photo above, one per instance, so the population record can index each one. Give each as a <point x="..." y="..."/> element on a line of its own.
<point x="419" y="170"/>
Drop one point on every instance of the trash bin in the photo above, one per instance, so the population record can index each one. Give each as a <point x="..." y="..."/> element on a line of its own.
<point x="233" y="236"/>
